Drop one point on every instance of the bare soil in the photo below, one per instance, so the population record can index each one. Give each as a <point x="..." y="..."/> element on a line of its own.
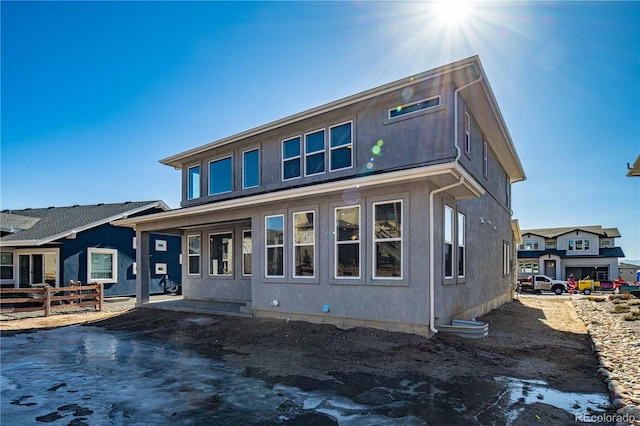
<point x="535" y="337"/>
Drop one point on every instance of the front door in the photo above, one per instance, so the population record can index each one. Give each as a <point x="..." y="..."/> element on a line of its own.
<point x="38" y="268"/>
<point x="550" y="268"/>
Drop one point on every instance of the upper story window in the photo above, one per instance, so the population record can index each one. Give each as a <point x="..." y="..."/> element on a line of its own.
<point x="467" y="133"/>
<point x="341" y="145"/>
<point x="414" y="107"/>
<point x="578" y="245"/>
<point x="531" y="245"/>
<point x="291" y="158"/>
<point x="251" y="168"/>
<point x="550" y="244"/>
<point x="605" y="243"/>
<point x="220" y="176"/>
<point x="314" y="149"/>
<point x="508" y="191"/>
<point x="193" y="185"/>
<point x="485" y="158"/>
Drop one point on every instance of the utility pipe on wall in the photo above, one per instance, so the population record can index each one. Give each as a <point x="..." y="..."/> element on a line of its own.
<point x="432" y="274"/>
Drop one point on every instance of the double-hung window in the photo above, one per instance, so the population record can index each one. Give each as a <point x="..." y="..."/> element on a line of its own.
<point x="274" y="246"/>
<point x="102" y="265"/>
<point x="6" y="265"/>
<point x="341" y="145"/>
<point x="221" y="254"/>
<point x="467" y="133"/>
<point x="304" y="244"/>
<point x="247" y="248"/>
<point x="314" y="148"/>
<point x="448" y="242"/>
<point x="461" y="245"/>
<point x="347" y="248"/>
<point x="193" y="184"/>
<point x="220" y="176"/>
<point x="193" y="253"/>
<point x="250" y="168"/>
<point x="291" y="158"/>
<point x="387" y="239"/>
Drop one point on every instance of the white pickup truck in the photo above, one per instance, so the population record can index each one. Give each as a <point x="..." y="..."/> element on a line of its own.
<point x="538" y="283"/>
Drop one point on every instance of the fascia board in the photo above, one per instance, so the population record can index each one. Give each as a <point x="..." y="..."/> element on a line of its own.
<point x="359" y="182"/>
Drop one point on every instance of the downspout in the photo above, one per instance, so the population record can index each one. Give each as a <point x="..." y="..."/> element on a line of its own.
<point x="432" y="262"/>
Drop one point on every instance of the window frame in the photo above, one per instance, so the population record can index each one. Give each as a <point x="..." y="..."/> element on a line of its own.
<point x="114" y="264"/>
<point x="218" y="160"/>
<point x="267" y="246"/>
<point x="190" y="255"/>
<point x="506" y="258"/>
<point x="229" y="252"/>
<point x="405" y="106"/>
<point x="336" y="243"/>
<point x="461" y="238"/>
<point x="333" y="148"/>
<point x="244" y="168"/>
<point x="244" y="232"/>
<point x="295" y="244"/>
<point x="323" y="151"/>
<point x="190" y="182"/>
<point x="449" y="213"/>
<point x="9" y="266"/>
<point x="467" y="133"/>
<point x="485" y="158"/>
<point x="298" y="157"/>
<point x="377" y="240"/>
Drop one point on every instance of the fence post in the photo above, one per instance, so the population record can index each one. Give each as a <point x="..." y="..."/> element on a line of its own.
<point x="100" y="296"/>
<point x="47" y="301"/>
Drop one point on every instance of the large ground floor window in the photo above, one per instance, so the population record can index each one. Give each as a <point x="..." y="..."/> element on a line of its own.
<point x="102" y="265"/>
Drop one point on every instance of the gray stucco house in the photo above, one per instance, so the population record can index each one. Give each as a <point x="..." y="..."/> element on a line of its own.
<point x="55" y="245"/>
<point x="390" y="208"/>
<point x="584" y="251"/>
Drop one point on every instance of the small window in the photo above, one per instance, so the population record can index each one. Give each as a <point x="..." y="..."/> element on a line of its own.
<point x="485" y="158"/>
<point x="220" y="176"/>
<point x="314" y="148"/>
<point x="387" y="240"/>
<point x="194" y="182"/>
<point x="448" y="242"/>
<point x="247" y="248"/>
<point x="161" y="268"/>
<point x="6" y="265"/>
<point x="414" y="107"/>
<point x="586" y="244"/>
<point x="304" y="244"/>
<point x="102" y="265"/>
<point x="461" y="245"/>
<point x="570" y="245"/>
<point x="251" y="168"/>
<point x="221" y="254"/>
<point x="161" y="245"/>
<point x="347" y="249"/>
<point x="467" y="133"/>
<point x="508" y="191"/>
<point x="506" y="258"/>
<point x="193" y="243"/>
<point x="291" y="158"/>
<point x="274" y="246"/>
<point x="341" y="146"/>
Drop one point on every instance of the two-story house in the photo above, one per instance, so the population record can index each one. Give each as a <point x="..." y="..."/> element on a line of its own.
<point x="389" y="208"/>
<point x="584" y="251"/>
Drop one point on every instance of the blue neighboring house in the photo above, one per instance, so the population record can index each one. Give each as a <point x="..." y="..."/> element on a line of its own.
<point x="56" y="245"/>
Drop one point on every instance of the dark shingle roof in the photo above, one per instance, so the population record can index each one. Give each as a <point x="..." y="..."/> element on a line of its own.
<point x="58" y="222"/>
<point x="15" y="222"/>
<point x="555" y="232"/>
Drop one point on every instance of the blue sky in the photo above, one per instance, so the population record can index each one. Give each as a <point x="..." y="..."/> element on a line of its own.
<point x="95" y="93"/>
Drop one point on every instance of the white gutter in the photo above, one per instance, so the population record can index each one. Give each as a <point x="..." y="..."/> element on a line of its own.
<point x="432" y="256"/>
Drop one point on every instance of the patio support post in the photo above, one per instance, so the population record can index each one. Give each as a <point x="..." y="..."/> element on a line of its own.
<point x="143" y="261"/>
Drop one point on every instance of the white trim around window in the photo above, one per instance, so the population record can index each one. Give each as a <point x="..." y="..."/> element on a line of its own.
<point x="247" y="250"/>
<point x="291" y="158"/>
<point x="342" y="145"/>
<point x="467" y="133"/>
<point x="485" y="158"/>
<point x="314" y="152"/>
<point x="274" y="250"/>
<point x="304" y="244"/>
<point x="461" y="252"/>
<point x="347" y="237"/>
<point x="448" y="255"/>
<point x="387" y="241"/>
<point x="194" y="252"/>
<point x="102" y="265"/>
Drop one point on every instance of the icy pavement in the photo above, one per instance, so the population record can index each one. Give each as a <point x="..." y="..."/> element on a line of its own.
<point x="83" y="375"/>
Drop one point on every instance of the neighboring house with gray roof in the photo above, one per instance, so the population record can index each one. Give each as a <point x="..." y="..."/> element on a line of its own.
<point x="579" y="250"/>
<point x="55" y="245"/>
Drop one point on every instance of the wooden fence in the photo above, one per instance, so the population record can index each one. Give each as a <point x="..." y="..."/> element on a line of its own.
<point x="51" y="298"/>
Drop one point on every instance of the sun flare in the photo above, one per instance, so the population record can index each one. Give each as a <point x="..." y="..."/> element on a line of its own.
<point x="452" y="12"/>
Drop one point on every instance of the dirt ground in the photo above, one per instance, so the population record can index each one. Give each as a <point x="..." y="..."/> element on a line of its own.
<point x="535" y="337"/>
